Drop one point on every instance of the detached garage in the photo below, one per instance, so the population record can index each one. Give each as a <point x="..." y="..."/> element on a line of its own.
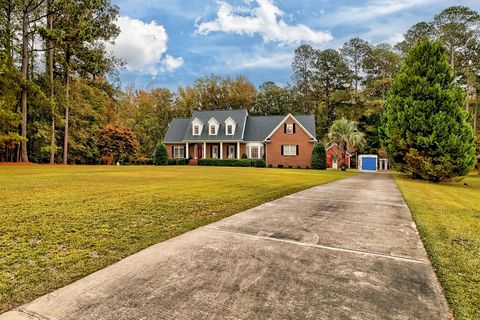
<point x="367" y="162"/>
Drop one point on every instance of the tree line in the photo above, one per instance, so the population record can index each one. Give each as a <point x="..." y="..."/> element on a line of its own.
<point x="59" y="104"/>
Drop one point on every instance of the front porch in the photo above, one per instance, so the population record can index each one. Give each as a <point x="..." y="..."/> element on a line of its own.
<point x="215" y="150"/>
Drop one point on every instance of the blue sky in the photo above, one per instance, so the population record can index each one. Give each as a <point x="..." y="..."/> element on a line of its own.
<point x="170" y="43"/>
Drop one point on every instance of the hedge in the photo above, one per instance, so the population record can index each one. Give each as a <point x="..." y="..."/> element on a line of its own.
<point x="178" y="162"/>
<point x="260" y="163"/>
<point x="226" y="163"/>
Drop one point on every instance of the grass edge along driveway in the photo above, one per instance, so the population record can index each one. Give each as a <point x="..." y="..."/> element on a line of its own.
<point x="61" y="223"/>
<point x="447" y="216"/>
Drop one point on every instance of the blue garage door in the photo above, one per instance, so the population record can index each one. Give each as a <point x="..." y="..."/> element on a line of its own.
<point x="369" y="163"/>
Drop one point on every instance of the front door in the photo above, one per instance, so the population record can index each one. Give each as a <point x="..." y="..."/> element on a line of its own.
<point x="200" y="152"/>
<point x="334" y="163"/>
<point x="214" y="152"/>
<point x="231" y="152"/>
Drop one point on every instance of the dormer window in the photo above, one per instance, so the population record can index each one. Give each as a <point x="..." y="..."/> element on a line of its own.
<point x="197" y="126"/>
<point x="230" y="126"/>
<point x="213" y="127"/>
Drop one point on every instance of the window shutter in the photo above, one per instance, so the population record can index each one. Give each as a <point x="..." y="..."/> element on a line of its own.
<point x="173" y="151"/>
<point x="284" y="128"/>
<point x="185" y="152"/>
<point x="281" y="150"/>
<point x="297" y="145"/>
<point x="293" y="128"/>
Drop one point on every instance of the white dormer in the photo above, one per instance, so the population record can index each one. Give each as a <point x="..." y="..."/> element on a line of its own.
<point x="213" y="127"/>
<point x="230" y="126"/>
<point x="197" y="127"/>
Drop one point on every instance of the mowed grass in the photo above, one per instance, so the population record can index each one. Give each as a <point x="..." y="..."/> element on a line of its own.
<point x="448" y="218"/>
<point x="60" y="223"/>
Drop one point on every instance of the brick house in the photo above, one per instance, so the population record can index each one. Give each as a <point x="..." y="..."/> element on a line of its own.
<point x="335" y="158"/>
<point x="229" y="134"/>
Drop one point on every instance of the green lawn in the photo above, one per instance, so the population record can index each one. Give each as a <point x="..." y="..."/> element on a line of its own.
<point x="448" y="218"/>
<point x="60" y="223"/>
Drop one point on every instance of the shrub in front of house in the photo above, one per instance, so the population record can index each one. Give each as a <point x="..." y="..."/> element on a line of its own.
<point x="319" y="160"/>
<point x="244" y="156"/>
<point x="160" y="156"/>
<point x="259" y="163"/>
<point x="177" y="162"/>
<point x="225" y="163"/>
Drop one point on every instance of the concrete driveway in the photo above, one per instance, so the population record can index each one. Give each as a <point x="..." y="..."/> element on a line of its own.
<point x="344" y="250"/>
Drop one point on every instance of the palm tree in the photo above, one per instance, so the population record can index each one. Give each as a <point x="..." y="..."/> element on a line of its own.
<point x="345" y="134"/>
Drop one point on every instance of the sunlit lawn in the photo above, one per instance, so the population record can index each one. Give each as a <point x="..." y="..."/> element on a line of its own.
<point x="59" y="223"/>
<point x="448" y="218"/>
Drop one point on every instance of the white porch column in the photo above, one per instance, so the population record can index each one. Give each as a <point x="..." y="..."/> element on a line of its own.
<point x="238" y="150"/>
<point x="221" y="150"/>
<point x="204" y="150"/>
<point x="186" y="150"/>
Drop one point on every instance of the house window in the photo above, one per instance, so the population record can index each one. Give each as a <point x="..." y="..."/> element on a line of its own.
<point x="254" y="154"/>
<point x="289" y="128"/>
<point x="289" y="150"/>
<point x="196" y="130"/>
<point x="178" y="151"/>
<point x="229" y="129"/>
<point x="213" y="129"/>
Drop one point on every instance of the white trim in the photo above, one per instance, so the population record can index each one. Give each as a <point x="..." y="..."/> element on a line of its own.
<point x="296" y="121"/>
<point x="244" y="124"/>
<point x="230" y="122"/>
<point x="177" y="154"/>
<point x="213" y="122"/>
<point x="255" y="144"/>
<point x="360" y="159"/>
<point x="214" y="154"/>
<point x="290" y="146"/>
<point x="197" y="122"/>
<point x="335" y="144"/>
<point x="230" y="119"/>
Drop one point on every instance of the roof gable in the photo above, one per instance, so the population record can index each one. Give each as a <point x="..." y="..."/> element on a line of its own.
<point x="296" y="121"/>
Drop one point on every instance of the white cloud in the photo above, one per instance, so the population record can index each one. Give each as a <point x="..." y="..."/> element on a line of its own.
<point x="278" y="61"/>
<point x="373" y="9"/>
<point x="142" y="46"/>
<point x="170" y="63"/>
<point x="266" y="20"/>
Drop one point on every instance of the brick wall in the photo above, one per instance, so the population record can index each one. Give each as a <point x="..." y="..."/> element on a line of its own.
<point x="299" y="138"/>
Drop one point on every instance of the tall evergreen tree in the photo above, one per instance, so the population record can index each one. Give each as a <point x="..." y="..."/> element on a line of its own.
<point x="302" y="67"/>
<point x="426" y="127"/>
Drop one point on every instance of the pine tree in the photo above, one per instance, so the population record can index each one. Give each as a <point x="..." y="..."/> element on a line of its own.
<point x="427" y="132"/>
<point x="160" y="156"/>
<point x="319" y="158"/>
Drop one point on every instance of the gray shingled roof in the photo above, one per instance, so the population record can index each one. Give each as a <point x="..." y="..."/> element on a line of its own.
<point x="257" y="128"/>
<point x="220" y="115"/>
<point x="176" y="130"/>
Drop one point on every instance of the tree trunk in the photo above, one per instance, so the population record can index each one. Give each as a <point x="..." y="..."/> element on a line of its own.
<point x="67" y="103"/>
<point x="50" y="79"/>
<point x="24" y="73"/>
<point x="452" y="59"/>
<point x="475" y="112"/>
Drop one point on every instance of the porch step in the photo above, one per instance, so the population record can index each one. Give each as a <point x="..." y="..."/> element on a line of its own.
<point x="193" y="162"/>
